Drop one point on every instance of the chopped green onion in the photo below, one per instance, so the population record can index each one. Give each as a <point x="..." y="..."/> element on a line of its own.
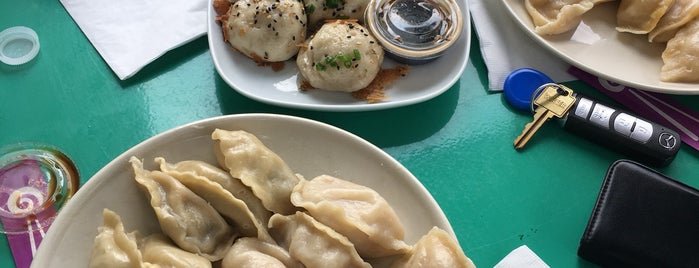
<point x="329" y="60"/>
<point x="340" y="58"/>
<point x="310" y="8"/>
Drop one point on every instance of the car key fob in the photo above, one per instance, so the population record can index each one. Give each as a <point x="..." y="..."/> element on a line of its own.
<point x="637" y="137"/>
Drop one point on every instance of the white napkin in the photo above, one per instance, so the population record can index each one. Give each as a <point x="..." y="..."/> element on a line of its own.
<point x="505" y="47"/>
<point x="129" y="34"/>
<point x="521" y="257"/>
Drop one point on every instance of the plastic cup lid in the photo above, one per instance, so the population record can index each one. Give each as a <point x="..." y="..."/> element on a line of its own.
<point x="18" y="45"/>
<point x="520" y="84"/>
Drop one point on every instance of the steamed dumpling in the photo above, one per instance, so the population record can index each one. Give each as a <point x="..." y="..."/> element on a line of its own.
<point x="159" y="250"/>
<point x="640" y="17"/>
<point x="435" y="249"/>
<point x="265" y="30"/>
<point x="250" y="252"/>
<point x="558" y="16"/>
<point x="230" y="207"/>
<point x="355" y="211"/>
<point x="185" y="217"/>
<point x="113" y="247"/>
<point x="314" y="244"/>
<point x="341" y="56"/>
<point x="681" y="56"/>
<point x="258" y="167"/>
<point x="680" y="13"/>
<point x="222" y="177"/>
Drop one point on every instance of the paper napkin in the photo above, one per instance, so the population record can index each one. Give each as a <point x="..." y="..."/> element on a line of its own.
<point x="505" y="47"/>
<point x="521" y="257"/>
<point x="129" y="34"/>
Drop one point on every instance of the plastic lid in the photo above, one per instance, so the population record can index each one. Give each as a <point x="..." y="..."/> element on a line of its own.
<point x="18" y="45"/>
<point x="521" y="84"/>
<point x="414" y="31"/>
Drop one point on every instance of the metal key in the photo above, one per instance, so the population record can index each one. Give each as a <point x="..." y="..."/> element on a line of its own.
<point x="554" y="100"/>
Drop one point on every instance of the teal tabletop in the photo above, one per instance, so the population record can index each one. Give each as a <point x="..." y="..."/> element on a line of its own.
<point x="458" y="144"/>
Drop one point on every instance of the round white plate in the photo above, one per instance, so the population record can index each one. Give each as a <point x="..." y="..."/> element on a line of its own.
<point x="422" y="83"/>
<point x="309" y="147"/>
<point x="597" y="48"/>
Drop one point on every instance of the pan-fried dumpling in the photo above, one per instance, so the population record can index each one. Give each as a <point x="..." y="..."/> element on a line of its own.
<point x="680" y="13"/>
<point x="340" y="56"/>
<point x="559" y="16"/>
<point x="321" y="10"/>
<point x="258" y="167"/>
<point x="435" y="249"/>
<point x="233" y="185"/>
<point x="265" y="30"/>
<point x="355" y="211"/>
<point x="640" y="17"/>
<point x="681" y="56"/>
<point x="185" y="217"/>
<point x="248" y="252"/>
<point x="230" y="207"/>
<point x="113" y="247"/>
<point x="159" y="250"/>
<point x="312" y="243"/>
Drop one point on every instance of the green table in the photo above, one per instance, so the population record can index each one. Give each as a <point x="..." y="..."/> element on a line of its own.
<point x="458" y="144"/>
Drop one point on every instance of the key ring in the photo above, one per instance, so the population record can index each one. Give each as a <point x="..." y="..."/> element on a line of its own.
<point x="535" y="94"/>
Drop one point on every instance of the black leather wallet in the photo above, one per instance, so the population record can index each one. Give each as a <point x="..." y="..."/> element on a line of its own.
<point x="642" y="219"/>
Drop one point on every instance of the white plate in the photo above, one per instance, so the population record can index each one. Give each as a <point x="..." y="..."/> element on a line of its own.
<point x="597" y="48"/>
<point x="309" y="147"/>
<point x="422" y="83"/>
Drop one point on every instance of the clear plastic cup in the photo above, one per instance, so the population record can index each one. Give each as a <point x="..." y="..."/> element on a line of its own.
<point x="35" y="182"/>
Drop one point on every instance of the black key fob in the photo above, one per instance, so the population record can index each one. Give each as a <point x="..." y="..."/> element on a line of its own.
<point x="640" y="139"/>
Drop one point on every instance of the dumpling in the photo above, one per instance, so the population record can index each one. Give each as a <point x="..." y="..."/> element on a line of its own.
<point x="341" y="56"/>
<point x="159" y="250"/>
<point x="185" y="217"/>
<point x="680" y="13"/>
<point x="640" y="17"/>
<point x="435" y="249"/>
<point x="258" y="167"/>
<point x="355" y="211"/>
<point x="232" y="185"/>
<point x="558" y="16"/>
<point x="265" y="30"/>
<point x="312" y="243"/>
<point x="230" y="207"/>
<point x="113" y="247"/>
<point x="250" y="252"/>
<point x="681" y="56"/>
<point x="321" y="10"/>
